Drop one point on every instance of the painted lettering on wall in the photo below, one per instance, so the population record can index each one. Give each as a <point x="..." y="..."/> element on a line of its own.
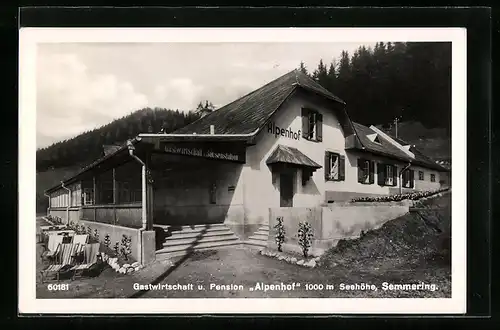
<point x="278" y="131"/>
<point x="208" y="153"/>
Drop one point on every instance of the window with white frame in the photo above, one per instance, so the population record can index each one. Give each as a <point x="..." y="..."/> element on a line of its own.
<point x="365" y="171"/>
<point x="312" y="125"/>
<point x="88" y="196"/>
<point x="334" y="166"/>
<point x="421" y="175"/>
<point x="433" y="177"/>
<point x="408" y="178"/>
<point x="389" y="175"/>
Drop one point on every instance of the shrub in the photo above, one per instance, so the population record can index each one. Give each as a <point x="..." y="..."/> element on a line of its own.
<point x="96" y="235"/>
<point x="399" y="197"/>
<point x="126" y="248"/>
<point x="107" y="241"/>
<point x="305" y="237"/>
<point x="280" y="233"/>
<point x="116" y="248"/>
<point x="89" y="231"/>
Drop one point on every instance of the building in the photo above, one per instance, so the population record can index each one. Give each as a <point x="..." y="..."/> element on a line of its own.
<point x="289" y="143"/>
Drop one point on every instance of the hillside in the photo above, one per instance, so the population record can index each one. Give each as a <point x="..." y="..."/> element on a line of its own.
<point x="65" y="158"/>
<point x="434" y="142"/>
<point x="86" y="147"/>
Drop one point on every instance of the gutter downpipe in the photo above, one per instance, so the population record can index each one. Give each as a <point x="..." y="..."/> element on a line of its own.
<point x="401" y="175"/>
<point x="69" y="200"/>
<point x="48" y="208"/>
<point x="131" y="149"/>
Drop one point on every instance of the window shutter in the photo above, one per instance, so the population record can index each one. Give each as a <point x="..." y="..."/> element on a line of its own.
<point x="305" y="123"/>
<point x="341" y="168"/>
<point x="372" y="171"/>
<point x="412" y="178"/>
<point x="381" y="174"/>
<point x="327" y="165"/>
<point x="360" y="170"/>
<point x="319" y="127"/>
<point x="394" y="175"/>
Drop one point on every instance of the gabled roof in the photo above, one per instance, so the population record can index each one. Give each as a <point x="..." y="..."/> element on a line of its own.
<point x="388" y="149"/>
<point x="250" y="113"/>
<point x="289" y="155"/>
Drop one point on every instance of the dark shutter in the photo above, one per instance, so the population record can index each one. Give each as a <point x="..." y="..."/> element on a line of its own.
<point x="341" y="168"/>
<point x="327" y="165"/>
<point x="381" y="174"/>
<point x="394" y="175"/>
<point x="372" y="172"/>
<point x="412" y="178"/>
<point x="360" y="170"/>
<point x="305" y="123"/>
<point x="319" y="127"/>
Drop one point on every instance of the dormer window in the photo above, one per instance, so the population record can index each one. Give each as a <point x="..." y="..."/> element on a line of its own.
<point x="374" y="138"/>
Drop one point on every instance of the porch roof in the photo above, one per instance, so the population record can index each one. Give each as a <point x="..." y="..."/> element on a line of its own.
<point x="290" y="155"/>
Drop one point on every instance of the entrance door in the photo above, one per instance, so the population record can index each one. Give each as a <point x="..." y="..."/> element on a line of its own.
<point x="286" y="189"/>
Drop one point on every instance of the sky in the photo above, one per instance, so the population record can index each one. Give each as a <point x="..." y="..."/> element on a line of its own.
<point x="81" y="86"/>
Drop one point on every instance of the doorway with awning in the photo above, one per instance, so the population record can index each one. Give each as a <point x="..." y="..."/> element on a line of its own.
<point x="285" y="163"/>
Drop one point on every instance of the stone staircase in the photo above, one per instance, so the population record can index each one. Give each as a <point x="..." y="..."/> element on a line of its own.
<point x="180" y="240"/>
<point x="260" y="237"/>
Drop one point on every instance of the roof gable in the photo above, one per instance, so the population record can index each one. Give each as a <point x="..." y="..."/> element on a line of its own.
<point x="250" y="113"/>
<point x="401" y="151"/>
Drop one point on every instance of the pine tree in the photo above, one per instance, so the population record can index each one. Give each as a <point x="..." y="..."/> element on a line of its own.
<point x="302" y="67"/>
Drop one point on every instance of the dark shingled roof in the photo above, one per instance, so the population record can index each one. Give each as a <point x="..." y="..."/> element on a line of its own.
<point x="290" y="155"/>
<point x="386" y="148"/>
<point x="109" y="149"/>
<point x="251" y="112"/>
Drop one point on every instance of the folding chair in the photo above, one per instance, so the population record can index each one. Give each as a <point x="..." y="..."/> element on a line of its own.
<point x="80" y="239"/>
<point x="51" y="248"/>
<point x="89" y="259"/>
<point x="62" y="258"/>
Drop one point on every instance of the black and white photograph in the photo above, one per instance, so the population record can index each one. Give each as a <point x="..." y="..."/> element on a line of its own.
<point x="187" y="165"/>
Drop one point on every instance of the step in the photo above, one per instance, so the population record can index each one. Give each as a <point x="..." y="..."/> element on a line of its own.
<point x="194" y="227"/>
<point x="189" y="241"/>
<point x="253" y="242"/>
<point x="261" y="233"/>
<point x="171" y="250"/>
<point x="182" y="235"/>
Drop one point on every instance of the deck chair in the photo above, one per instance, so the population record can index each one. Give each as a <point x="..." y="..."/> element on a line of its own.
<point x="89" y="259"/>
<point x="62" y="259"/>
<point x="80" y="239"/>
<point x="51" y="248"/>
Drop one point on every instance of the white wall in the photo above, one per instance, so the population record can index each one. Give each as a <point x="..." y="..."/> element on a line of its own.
<point x="426" y="184"/>
<point x="262" y="193"/>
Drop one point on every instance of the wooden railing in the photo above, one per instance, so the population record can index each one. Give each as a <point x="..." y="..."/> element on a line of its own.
<point x="126" y="215"/>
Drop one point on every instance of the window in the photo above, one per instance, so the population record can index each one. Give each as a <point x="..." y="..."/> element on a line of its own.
<point x="365" y="171"/>
<point x="389" y="177"/>
<point x="213" y="192"/>
<point x="312" y="125"/>
<point x="386" y="174"/>
<point x="88" y="196"/>
<point x="421" y="175"/>
<point x="334" y="167"/>
<point x="433" y="177"/>
<point x="408" y="179"/>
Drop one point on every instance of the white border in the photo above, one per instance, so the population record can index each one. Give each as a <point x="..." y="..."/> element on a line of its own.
<point x="29" y="37"/>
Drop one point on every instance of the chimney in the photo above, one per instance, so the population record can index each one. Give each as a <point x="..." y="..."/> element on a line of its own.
<point x="212" y="129"/>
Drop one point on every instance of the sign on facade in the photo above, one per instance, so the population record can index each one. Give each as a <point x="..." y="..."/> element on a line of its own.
<point x="214" y="151"/>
